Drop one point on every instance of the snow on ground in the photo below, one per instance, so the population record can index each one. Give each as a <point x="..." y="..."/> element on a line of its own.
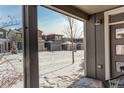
<point x="58" y="70"/>
<point x="55" y="70"/>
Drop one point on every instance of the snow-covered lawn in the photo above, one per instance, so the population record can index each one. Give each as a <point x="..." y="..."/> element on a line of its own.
<point x="55" y="69"/>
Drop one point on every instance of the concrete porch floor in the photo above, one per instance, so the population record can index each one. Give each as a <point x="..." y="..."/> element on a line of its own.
<point x="87" y="83"/>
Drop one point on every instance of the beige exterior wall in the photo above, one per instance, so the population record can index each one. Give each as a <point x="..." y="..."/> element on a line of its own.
<point x="41" y="44"/>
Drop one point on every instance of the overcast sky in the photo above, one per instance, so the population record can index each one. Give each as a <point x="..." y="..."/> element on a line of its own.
<point x="49" y="22"/>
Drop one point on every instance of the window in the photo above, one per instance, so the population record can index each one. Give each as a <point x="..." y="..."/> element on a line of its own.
<point x="120" y="66"/>
<point x="119" y="49"/>
<point x="1" y="34"/>
<point x="120" y="33"/>
<point x="19" y="45"/>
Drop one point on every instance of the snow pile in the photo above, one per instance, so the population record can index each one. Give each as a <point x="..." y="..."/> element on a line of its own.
<point x="10" y="71"/>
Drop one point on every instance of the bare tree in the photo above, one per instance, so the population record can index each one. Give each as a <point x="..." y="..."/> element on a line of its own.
<point x="8" y="75"/>
<point x="72" y="31"/>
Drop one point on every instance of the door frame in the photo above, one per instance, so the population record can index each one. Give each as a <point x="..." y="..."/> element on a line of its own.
<point x="107" y="37"/>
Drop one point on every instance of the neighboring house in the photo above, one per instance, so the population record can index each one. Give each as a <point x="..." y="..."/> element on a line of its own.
<point x="16" y="39"/>
<point x="68" y="46"/>
<point x="52" y="37"/>
<point x="53" y="45"/>
<point x="53" y="42"/>
<point x="79" y="43"/>
<point x="79" y="46"/>
<point x="79" y="40"/>
<point x="41" y="42"/>
<point x="44" y="37"/>
<point x="3" y="40"/>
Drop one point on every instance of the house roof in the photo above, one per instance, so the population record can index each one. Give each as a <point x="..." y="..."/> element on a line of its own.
<point x="54" y="35"/>
<point x="16" y="31"/>
<point x="1" y="29"/>
<point x="67" y="43"/>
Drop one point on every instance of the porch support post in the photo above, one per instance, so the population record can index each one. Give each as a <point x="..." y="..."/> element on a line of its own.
<point x="31" y="71"/>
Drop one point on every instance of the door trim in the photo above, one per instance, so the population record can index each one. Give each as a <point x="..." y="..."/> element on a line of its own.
<point x="115" y="23"/>
<point x="107" y="38"/>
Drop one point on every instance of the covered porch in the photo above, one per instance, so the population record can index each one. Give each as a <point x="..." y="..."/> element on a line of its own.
<point x="101" y="60"/>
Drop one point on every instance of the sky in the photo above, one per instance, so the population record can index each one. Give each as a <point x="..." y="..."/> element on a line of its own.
<point x="49" y="21"/>
<point x="14" y="12"/>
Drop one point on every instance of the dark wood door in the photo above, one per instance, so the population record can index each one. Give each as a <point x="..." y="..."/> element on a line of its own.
<point x="117" y="49"/>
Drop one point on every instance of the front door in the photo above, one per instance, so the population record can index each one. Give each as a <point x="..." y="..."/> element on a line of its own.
<point x="117" y="49"/>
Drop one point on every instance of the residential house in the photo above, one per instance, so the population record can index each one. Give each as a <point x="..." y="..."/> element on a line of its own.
<point x="54" y="37"/>
<point x="16" y="40"/>
<point x="41" y="42"/>
<point x="79" y="43"/>
<point x="53" y="42"/>
<point x="3" y="40"/>
<point x="68" y="46"/>
<point x="79" y="46"/>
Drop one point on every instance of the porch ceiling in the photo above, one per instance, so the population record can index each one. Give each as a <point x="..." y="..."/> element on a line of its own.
<point x="81" y="11"/>
<point x="92" y="9"/>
